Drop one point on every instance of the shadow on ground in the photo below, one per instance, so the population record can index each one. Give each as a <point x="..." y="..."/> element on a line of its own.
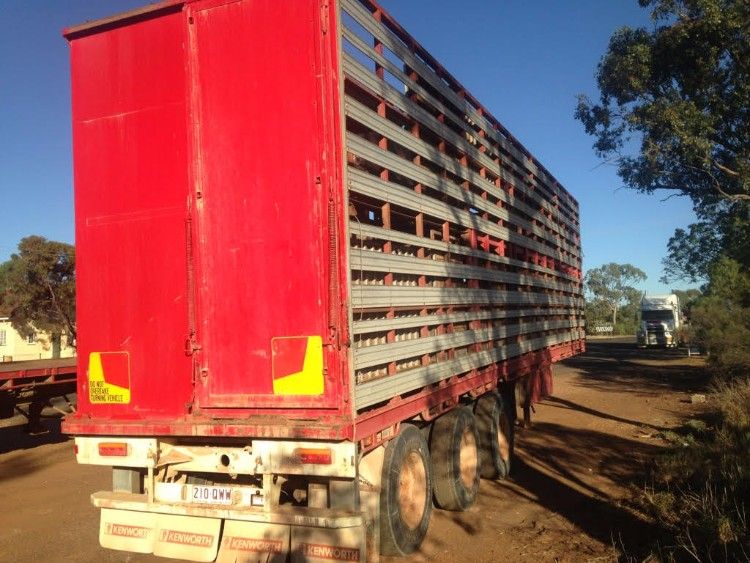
<point x="14" y="438"/>
<point x="621" y="366"/>
<point x="576" y="488"/>
<point x="565" y="404"/>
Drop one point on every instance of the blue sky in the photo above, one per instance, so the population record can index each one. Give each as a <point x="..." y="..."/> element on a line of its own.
<point x="525" y="60"/>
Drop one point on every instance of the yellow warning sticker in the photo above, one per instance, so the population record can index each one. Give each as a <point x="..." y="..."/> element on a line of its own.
<point x="109" y="377"/>
<point x="297" y="365"/>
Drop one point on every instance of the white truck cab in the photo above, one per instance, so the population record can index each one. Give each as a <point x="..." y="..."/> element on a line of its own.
<point x="660" y="319"/>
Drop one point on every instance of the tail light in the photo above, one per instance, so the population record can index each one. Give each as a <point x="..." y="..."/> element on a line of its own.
<point x="317" y="456"/>
<point x="113" y="449"/>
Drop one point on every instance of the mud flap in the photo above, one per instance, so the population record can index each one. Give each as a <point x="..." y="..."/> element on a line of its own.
<point x="251" y="542"/>
<point x="197" y="539"/>
<point x="127" y="531"/>
<point x="187" y="537"/>
<point x="324" y="545"/>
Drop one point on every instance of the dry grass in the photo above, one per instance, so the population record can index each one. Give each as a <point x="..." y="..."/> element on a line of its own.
<point x="734" y="403"/>
<point x="701" y="489"/>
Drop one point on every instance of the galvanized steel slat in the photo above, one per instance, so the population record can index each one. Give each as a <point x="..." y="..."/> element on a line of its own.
<point x="418" y="321"/>
<point x="555" y="225"/>
<point x="464" y="145"/>
<point x="358" y="229"/>
<point x="387" y="38"/>
<point x="404" y="103"/>
<point x="388" y="129"/>
<point x="379" y="296"/>
<point x="366" y="78"/>
<point x="371" y="261"/>
<point x="383" y="353"/>
<point x="371" y="186"/>
<point x="387" y="387"/>
<point x="360" y="74"/>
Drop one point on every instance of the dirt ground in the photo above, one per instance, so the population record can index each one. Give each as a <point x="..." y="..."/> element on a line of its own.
<point x="570" y="496"/>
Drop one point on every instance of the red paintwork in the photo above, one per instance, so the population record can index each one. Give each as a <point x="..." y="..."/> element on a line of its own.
<point x="130" y="153"/>
<point x="321" y="428"/>
<point x="16" y="376"/>
<point x="210" y="212"/>
<point x="182" y="241"/>
<point x="288" y="356"/>
<point x="116" y="368"/>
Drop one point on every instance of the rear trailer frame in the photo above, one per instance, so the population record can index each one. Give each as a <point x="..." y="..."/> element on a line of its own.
<point x="448" y="272"/>
<point x="36" y="384"/>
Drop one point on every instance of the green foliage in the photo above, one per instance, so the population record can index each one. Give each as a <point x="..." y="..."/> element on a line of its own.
<point x="598" y="313"/>
<point x="730" y="281"/>
<point x="687" y="296"/>
<point x="721" y="319"/>
<point x="682" y="91"/>
<point x="673" y="115"/>
<point x="37" y="287"/>
<point x="627" y="318"/>
<point x="723" y="229"/>
<point x="611" y="289"/>
<point x="688" y="299"/>
<point x="691" y="252"/>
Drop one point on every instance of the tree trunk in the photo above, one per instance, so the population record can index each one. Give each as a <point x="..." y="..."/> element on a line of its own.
<point x="614" y="318"/>
<point x="56" y="344"/>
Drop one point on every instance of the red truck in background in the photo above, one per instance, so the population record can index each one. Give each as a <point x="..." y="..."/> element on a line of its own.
<point x="315" y="275"/>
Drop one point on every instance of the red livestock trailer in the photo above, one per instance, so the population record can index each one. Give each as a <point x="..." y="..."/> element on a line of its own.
<point x="314" y="274"/>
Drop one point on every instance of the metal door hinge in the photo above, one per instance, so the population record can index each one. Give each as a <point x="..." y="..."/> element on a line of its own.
<point x="324" y="17"/>
<point x="191" y="345"/>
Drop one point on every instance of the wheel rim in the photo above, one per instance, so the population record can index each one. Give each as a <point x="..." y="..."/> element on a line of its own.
<point x="502" y="441"/>
<point x="412" y="490"/>
<point x="468" y="458"/>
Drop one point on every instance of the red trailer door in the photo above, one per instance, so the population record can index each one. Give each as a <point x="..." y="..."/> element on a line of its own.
<point x="130" y="150"/>
<point x="261" y="211"/>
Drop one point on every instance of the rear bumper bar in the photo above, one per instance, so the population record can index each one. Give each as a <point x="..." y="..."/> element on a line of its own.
<point x="296" y="516"/>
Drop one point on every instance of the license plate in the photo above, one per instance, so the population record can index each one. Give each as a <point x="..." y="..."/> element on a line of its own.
<point x="208" y="494"/>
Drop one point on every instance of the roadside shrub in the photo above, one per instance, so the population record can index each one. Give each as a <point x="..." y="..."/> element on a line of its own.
<point x="723" y="329"/>
<point x="733" y="400"/>
<point x="686" y="335"/>
<point x="720" y="319"/>
<point x="701" y="489"/>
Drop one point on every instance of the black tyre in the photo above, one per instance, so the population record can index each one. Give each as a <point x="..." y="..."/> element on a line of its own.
<point x="405" y="495"/>
<point x="454" y="448"/>
<point x="495" y="426"/>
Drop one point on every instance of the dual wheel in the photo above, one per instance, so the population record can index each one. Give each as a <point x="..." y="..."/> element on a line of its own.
<point x="442" y="462"/>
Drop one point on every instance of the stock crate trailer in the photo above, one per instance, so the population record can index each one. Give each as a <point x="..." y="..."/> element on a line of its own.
<point x="314" y="275"/>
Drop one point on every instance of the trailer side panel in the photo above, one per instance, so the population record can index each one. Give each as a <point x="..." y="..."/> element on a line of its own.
<point x="465" y="252"/>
